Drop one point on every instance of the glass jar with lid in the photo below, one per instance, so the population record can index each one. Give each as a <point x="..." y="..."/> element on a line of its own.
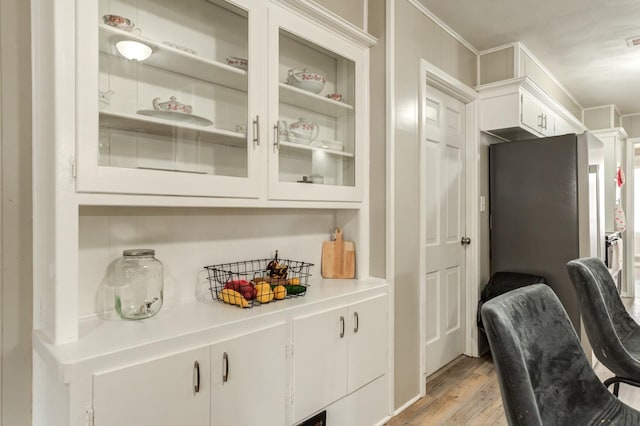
<point x="138" y="284"/>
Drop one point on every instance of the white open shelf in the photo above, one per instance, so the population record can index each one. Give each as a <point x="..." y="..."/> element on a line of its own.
<point x="310" y="101"/>
<point x="296" y="146"/>
<point x="158" y="126"/>
<point x="176" y="60"/>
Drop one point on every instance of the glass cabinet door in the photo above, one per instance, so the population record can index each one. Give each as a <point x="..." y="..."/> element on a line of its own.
<point x="175" y="114"/>
<point x="316" y="113"/>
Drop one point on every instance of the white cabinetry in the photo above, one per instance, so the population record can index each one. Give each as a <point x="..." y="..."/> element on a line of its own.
<point x="156" y="140"/>
<point x="164" y="392"/>
<point x="330" y="158"/>
<point x="273" y="368"/>
<point x="518" y="109"/>
<point x="562" y="127"/>
<point x="239" y="381"/>
<point x="180" y="122"/>
<point x="535" y="116"/>
<point x="336" y="352"/>
<point x="367" y="355"/>
<point x="248" y="379"/>
<point x="193" y="119"/>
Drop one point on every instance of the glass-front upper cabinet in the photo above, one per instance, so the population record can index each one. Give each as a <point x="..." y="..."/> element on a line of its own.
<point x="317" y="112"/>
<point x="169" y="100"/>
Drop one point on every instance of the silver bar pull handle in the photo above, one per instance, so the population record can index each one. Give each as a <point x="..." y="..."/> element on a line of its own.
<point x="356" y="322"/>
<point x="341" y="326"/>
<point x="276" y="136"/>
<point x="225" y="361"/>
<point x="256" y="131"/>
<point x="196" y="372"/>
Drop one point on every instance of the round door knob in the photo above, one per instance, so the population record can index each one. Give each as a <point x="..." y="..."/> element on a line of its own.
<point x="465" y="241"/>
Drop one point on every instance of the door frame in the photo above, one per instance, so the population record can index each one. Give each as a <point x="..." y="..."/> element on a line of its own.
<point x="432" y="76"/>
<point x="632" y="202"/>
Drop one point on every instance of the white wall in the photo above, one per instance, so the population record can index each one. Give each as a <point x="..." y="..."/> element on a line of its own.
<point x="415" y="37"/>
<point x="351" y="10"/>
<point x="187" y="239"/>
<point x="15" y="153"/>
<point x="377" y="142"/>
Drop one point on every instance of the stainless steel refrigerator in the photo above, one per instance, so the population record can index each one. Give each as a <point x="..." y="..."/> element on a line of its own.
<point x="546" y="207"/>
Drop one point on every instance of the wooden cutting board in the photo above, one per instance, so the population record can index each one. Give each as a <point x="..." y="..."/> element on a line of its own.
<point x="338" y="258"/>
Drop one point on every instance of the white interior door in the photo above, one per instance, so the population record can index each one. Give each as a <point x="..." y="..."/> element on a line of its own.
<point x="443" y="191"/>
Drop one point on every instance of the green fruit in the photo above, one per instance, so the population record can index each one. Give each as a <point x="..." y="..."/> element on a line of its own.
<point x="295" y="289"/>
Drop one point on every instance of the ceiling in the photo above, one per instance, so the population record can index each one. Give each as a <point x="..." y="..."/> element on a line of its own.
<point x="581" y="42"/>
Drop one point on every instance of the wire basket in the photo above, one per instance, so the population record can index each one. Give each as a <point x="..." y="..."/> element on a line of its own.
<point x="250" y="283"/>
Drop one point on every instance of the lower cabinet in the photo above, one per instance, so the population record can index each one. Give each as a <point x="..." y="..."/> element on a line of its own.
<point x="248" y="377"/>
<point x="276" y="372"/>
<point x="367" y="355"/>
<point x="163" y="392"/>
<point x="235" y="382"/>
<point x="336" y="352"/>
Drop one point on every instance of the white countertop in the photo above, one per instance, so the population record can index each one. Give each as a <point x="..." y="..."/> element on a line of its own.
<point x="104" y="344"/>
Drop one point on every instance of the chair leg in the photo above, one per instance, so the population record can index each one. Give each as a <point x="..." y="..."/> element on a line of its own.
<point x="615" y="381"/>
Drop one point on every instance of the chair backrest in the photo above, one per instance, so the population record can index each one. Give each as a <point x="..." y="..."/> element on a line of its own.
<point x="605" y="318"/>
<point x="544" y="375"/>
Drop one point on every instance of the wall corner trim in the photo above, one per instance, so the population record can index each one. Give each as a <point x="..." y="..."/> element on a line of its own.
<point x="442" y="25"/>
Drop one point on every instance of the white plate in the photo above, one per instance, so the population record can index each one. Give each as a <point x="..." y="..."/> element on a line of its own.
<point x="183" y="48"/>
<point x="327" y="144"/>
<point x="299" y="141"/>
<point x="176" y="116"/>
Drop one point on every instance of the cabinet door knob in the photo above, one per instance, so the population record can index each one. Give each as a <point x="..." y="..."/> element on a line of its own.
<point x="356" y="322"/>
<point x="225" y="361"/>
<point x="341" y="326"/>
<point x="256" y="130"/>
<point x="196" y="372"/>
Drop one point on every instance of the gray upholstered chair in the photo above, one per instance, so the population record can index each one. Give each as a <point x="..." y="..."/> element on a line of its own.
<point x="613" y="334"/>
<point x="544" y="375"/>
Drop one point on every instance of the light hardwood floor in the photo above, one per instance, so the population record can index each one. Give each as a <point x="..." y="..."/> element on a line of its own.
<point x="466" y="392"/>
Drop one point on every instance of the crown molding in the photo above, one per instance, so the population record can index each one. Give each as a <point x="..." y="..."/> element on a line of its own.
<point x="312" y="10"/>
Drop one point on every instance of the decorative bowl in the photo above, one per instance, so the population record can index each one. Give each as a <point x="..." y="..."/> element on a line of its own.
<point x="305" y="80"/>
<point x="303" y="131"/>
<point x="241" y="63"/>
<point x="120" y="22"/>
<point x="172" y="105"/>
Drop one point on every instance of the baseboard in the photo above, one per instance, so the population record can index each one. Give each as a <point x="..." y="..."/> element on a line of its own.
<point x="384" y="421"/>
<point x="407" y="404"/>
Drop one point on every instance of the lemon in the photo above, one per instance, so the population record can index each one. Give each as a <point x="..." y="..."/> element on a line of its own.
<point x="264" y="293"/>
<point x="280" y="292"/>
